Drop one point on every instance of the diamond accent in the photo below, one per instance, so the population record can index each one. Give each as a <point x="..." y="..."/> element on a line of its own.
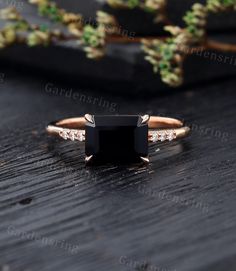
<point x="163" y="135"/>
<point x="171" y="135"/>
<point x="154" y="137"/>
<point x="72" y="134"/>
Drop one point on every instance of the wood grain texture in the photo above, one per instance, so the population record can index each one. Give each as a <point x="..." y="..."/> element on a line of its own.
<point x="178" y="213"/>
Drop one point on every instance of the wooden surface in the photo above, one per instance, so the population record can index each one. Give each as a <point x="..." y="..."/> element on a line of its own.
<point x="178" y="213"/>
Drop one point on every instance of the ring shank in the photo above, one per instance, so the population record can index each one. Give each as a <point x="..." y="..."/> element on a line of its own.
<point x="72" y="123"/>
<point x="154" y="122"/>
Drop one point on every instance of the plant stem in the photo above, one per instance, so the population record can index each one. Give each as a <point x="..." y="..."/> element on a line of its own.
<point x="220" y="46"/>
<point x="127" y="39"/>
<point x="209" y="44"/>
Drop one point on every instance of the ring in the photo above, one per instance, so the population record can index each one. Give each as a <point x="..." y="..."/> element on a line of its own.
<point x="118" y="137"/>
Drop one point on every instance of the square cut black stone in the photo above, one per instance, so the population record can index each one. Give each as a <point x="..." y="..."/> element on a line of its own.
<point x="117" y="138"/>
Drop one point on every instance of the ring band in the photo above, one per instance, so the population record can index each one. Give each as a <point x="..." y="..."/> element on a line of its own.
<point x="157" y="128"/>
<point x="74" y="128"/>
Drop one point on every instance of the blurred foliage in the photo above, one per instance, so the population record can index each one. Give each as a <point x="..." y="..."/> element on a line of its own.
<point x="165" y="54"/>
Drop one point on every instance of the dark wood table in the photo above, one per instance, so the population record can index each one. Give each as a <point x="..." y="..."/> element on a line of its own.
<point x="178" y="213"/>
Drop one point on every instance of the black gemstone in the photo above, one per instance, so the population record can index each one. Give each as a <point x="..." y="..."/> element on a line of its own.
<point x="116" y="138"/>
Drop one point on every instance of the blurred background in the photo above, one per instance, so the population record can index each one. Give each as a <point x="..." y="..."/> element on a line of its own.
<point x="123" y="66"/>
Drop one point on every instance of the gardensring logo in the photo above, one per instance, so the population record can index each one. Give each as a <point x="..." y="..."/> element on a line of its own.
<point x="46" y="241"/>
<point x="141" y="265"/>
<point x="163" y="195"/>
<point x="13" y="3"/>
<point x="77" y="96"/>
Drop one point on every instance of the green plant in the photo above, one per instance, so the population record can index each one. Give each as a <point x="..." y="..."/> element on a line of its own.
<point x="166" y="54"/>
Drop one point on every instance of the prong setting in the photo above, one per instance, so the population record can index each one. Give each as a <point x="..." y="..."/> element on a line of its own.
<point x="145" y="118"/>
<point x="88" y="158"/>
<point x="145" y="159"/>
<point x="89" y="118"/>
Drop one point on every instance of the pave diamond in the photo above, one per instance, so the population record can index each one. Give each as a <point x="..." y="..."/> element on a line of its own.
<point x="163" y="135"/>
<point x="64" y="134"/>
<point x="72" y="134"/>
<point x="171" y="135"/>
<point x="154" y="137"/>
<point x="80" y="136"/>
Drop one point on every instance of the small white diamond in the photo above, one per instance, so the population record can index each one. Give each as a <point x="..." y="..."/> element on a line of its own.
<point x="154" y="137"/>
<point x="79" y="136"/>
<point x="63" y="134"/>
<point x="170" y="135"/>
<point x="76" y="135"/>
<point x="72" y="135"/>
<point x="82" y="137"/>
<point x="162" y="136"/>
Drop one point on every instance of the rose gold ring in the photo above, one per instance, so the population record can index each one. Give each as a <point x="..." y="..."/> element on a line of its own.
<point x="139" y="130"/>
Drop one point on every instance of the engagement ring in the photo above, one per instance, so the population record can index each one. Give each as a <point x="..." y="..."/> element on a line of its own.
<point x="118" y="137"/>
